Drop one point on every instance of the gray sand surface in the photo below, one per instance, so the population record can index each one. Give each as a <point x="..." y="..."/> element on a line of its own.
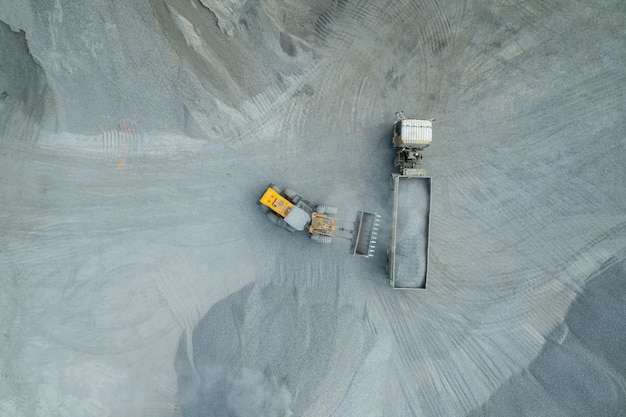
<point x="139" y="278"/>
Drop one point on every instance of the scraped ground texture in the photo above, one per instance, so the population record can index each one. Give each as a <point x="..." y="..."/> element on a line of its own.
<point x="139" y="278"/>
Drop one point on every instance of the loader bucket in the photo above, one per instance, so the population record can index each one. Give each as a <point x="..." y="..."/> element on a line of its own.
<point x="365" y="234"/>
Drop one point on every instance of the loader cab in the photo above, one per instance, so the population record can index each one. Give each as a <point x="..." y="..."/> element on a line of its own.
<point x="276" y="202"/>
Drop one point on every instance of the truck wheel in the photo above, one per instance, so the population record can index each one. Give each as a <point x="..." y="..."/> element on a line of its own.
<point x="326" y="209"/>
<point x="276" y="188"/>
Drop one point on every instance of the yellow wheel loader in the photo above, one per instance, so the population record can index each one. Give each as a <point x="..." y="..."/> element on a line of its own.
<point x="286" y="208"/>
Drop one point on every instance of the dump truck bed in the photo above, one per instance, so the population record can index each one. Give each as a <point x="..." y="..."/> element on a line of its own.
<point x="408" y="249"/>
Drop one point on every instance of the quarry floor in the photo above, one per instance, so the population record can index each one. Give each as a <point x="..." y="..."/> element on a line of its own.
<point x="139" y="278"/>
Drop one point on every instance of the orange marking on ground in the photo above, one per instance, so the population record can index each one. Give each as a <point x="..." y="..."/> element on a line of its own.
<point x="123" y="126"/>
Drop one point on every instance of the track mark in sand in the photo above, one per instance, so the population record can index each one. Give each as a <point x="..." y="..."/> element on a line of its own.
<point x="425" y="18"/>
<point x="438" y="369"/>
<point x="508" y="30"/>
<point x="349" y="21"/>
<point x="178" y="299"/>
<point x="326" y="31"/>
<point x="532" y="10"/>
<point x="121" y="144"/>
<point x="579" y="107"/>
<point x="277" y="271"/>
<point x="435" y="31"/>
<point x="336" y="28"/>
<point x="165" y="406"/>
<point x="15" y="378"/>
<point x="341" y="27"/>
<point x="264" y="111"/>
<point x="369" y="323"/>
<point x="322" y="26"/>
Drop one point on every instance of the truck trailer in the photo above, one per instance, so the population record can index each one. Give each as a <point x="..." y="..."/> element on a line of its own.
<point x="410" y="230"/>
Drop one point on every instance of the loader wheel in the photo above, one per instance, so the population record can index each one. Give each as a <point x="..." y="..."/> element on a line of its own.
<point x="290" y="194"/>
<point x="326" y="209"/>
<point x="273" y="218"/>
<point x="321" y="239"/>
<point x="326" y="239"/>
<point x="286" y="226"/>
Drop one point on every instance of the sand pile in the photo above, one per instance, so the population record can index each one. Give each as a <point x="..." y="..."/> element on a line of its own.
<point x="139" y="277"/>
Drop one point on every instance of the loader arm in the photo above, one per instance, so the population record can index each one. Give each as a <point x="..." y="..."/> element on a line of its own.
<point x="322" y="224"/>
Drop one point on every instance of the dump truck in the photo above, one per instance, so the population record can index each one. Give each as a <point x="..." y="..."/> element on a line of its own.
<point x="289" y="210"/>
<point x="410" y="137"/>
<point x="410" y="230"/>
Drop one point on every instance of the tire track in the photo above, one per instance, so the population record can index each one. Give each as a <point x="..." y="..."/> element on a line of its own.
<point x="356" y="19"/>
<point x="265" y="111"/>
<point x="532" y="11"/>
<point x="350" y="77"/>
<point x="305" y="100"/>
<point x="577" y="105"/>
<point x="177" y="299"/>
<point x="529" y="33"/>
<point x="96" y="328"/>
<point x="122" y="144"/>
<point x="339" y="37"/>
<point x="439" y="32"/>
<point x="336" y="41"/>
<point x="426" y="373"/>
<point x="20" y="126"/>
